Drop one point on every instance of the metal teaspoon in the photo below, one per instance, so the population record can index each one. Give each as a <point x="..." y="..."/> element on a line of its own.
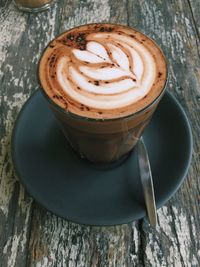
<point x="147" y="182"/>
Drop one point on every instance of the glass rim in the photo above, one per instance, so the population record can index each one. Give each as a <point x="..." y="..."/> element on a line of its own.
<point x="83" y="118"/>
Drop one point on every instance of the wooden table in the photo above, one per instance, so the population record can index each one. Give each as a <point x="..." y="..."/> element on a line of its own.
<point x="31" y="236"/>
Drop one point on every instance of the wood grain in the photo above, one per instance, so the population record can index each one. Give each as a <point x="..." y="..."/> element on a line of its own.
<point x="172" y="26"/>
<point x="194" y="8"/>
<point x="31" y="236"/>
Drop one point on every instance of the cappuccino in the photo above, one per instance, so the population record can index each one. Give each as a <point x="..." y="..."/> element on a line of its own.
<point x="102" y="81"/>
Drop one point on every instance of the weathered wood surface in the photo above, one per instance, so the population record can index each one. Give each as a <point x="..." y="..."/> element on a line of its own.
<point x="31" y="236"/>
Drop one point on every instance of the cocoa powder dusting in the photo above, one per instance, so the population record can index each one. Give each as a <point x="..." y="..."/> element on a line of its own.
<point x="76" y="40"/>
<point x="96" y="83"/>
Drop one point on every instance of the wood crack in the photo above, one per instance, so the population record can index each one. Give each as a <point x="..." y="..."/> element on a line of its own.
<point x="142" y="244"/>
<point x="27" y="259"/>
<point x="128" y="12"/>
<point x="194" y="20"/>
<point x="195" y="26"/>
<point x="58" y="245"/>
<point x="175" y="235"/>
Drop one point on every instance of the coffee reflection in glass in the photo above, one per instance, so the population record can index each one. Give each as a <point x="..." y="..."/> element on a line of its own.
<point x="33" y="5"/>
<point x="103" y="82"/>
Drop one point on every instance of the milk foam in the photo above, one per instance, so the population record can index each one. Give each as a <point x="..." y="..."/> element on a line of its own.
<point x="112" y="72"/>
<point x="103" y="71"/>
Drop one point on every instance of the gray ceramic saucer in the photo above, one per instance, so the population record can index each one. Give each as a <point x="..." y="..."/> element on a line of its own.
<point x="98" y="195"/>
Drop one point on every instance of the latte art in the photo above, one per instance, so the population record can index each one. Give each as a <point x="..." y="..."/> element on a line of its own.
<point x="99" y="71"/>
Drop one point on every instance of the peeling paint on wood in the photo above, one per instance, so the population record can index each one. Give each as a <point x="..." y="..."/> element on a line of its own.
<point x="31" y="236"/>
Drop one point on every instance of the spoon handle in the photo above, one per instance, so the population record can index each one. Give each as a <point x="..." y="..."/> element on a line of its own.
<point x="147" y="182"/>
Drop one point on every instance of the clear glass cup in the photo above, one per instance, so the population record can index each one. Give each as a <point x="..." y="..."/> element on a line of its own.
<point x="103" y="140"/>
<point x="33" y="5"/>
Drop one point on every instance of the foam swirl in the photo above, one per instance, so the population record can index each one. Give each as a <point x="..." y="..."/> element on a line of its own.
<point x="102" y="71"/>
<point x="113" y="72"/>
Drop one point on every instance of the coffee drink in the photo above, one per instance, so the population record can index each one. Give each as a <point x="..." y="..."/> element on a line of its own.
<point x="102" y="71"/>
<point x="33" y="5"/>
<point x="103" y="82"/>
